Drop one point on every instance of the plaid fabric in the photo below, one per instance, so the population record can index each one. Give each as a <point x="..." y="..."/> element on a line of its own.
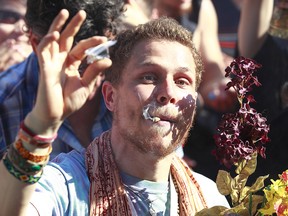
<point x="17" y="96"/>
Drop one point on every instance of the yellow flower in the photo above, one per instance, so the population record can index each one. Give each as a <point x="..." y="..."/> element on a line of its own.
<point x="276" y="196"/>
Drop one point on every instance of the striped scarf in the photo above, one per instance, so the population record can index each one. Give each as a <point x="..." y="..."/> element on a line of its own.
<point x="107" y="194"/>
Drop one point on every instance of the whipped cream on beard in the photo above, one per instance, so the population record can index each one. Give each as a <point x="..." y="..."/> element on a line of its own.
<point x="167" y="111"/>
<point x="147" y="116"/>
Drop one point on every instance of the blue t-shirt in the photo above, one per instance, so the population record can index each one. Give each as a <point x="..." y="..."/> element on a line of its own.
<point x="151" y="198"/>
<point x="64" y="188"/>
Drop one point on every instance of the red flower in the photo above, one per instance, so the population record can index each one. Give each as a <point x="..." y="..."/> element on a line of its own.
<point x="244" y="132"/>
<point x="241" y="72"/>
<point x="284" y="176"/>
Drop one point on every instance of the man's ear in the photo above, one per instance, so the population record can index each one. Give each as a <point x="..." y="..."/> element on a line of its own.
<point x="108" y="92"/>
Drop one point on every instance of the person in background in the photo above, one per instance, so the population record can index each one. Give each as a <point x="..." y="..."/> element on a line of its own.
<point x="19" y="84"/>
<point x="255" y="41"/>
<point x="132" y="169"/>
<point x="14" y="45"/>
<point x="228" y="15"/>
<point x="134" y="14"/>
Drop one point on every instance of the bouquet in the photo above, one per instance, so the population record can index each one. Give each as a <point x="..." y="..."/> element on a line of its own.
<point x="241" y="138"/>
<point x="276" y="197"/>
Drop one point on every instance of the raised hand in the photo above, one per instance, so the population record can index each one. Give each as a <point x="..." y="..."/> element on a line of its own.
<point x="61" y="89"/>
<point x="219" y="99"/>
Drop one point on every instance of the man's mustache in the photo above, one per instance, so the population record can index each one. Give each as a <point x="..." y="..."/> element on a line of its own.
<point x="167" y="113"/>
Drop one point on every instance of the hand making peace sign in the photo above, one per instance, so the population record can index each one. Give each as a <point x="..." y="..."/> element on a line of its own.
<point x="61" y="89"/>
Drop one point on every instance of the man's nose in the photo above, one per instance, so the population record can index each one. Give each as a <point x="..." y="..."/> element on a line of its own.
<point x="18" y="33"/>
<point x="19" y="26"/>
<point x="166" y="92"/>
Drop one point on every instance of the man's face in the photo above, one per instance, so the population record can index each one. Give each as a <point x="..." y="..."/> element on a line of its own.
<point x="11" y="20"/>
<point x="159" y="78"/>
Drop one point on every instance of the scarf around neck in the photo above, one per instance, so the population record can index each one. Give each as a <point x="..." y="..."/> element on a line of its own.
<point x="107" y="195"/>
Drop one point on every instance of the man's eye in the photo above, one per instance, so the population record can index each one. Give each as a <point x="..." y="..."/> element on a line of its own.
<point x="182" y="82"/>
<point x="9" y="17"/>
<point x="149" y="79"/>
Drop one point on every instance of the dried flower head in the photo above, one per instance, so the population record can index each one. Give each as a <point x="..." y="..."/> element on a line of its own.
<point x="240" y="139"/>
<point x="241" y="72"/>
<point x="244" y="132"/>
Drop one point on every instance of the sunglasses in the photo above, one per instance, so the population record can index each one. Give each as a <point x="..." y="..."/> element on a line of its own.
<point x="9" y="17"/>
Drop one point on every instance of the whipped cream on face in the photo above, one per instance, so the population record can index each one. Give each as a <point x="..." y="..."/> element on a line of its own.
<point x="147" y="115"/>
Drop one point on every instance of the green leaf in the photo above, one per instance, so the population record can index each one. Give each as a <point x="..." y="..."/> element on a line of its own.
<point x="237" y="185"/>
<point x="235" y="197"/>
<point x="247" y="167"/>
<point x="223" y="182"/>
<point x="239" y="182"/>
<point x="216" y="210"/>
<point x="244" y="193"/>
<point x="239" y="210"/>
<point x="252" y="202"/>
<point x="259" y="184"/>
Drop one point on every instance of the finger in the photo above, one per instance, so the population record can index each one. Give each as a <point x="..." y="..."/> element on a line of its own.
<point x="52" y="35"/>
<point x="46" y="48"/>
<point x="46" y="42"/>
<point x="90" y="76"/>
<point x="67" y="36"/>
<point x="78" y="52"/>
<point x="59" y="21"/>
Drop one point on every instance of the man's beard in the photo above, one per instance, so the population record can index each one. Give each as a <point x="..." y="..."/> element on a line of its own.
<point x="152" y="141"/>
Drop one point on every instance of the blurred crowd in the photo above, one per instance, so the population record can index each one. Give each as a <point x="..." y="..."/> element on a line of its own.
<point x="14" y="42"/>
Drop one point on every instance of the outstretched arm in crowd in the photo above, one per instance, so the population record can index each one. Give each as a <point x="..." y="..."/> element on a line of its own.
<point x="214" y="83"/>
<point x="61" y="91"/>
<point x="253" y="26"/>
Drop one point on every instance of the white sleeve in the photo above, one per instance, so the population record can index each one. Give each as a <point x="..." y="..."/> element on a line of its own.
<point x="210" y="191"/>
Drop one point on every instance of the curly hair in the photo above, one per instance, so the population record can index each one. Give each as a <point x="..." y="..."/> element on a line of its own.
<point x="102" y="16"/>
<point x="160" y="29"/>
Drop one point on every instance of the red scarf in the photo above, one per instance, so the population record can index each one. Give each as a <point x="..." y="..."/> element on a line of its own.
<point x="107" y="194"/>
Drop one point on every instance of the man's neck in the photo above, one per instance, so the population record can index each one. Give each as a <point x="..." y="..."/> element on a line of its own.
<point x="141" y="165"/>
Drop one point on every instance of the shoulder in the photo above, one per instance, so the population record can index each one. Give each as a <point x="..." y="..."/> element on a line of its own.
<point x="69" y="160"/>
<point x="68" y="168"/>
<point x="14" y="77"/>
<point x="210" y="191"/>
<point x="64" y="186"/>
<point x="21" y="68"/>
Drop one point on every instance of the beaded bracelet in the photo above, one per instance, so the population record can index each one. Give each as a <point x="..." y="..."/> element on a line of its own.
<point x="18" y="145"/>
<point x="23" y="165"/>
<point x="29" y="137"/>
<point x="26" y="138"/>
<point x="30" y="179"/>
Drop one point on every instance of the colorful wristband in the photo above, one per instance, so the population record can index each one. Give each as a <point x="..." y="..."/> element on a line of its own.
<point x="29" y="137"/>
<point x="23" y="165"/>
<point x="27" y="155"/>
<point x="30" y="179"/>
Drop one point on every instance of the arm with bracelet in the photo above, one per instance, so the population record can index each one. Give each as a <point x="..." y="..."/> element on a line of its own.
<point x="61" y="92"/>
